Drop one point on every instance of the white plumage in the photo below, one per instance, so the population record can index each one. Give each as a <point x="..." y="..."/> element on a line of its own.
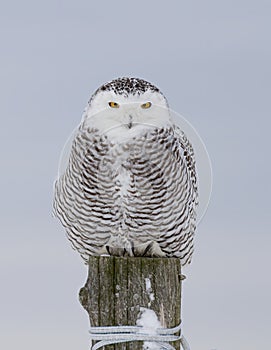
<point x="130" y="184"/>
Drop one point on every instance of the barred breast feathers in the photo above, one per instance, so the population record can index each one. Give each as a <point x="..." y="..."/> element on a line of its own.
<point x="131" y="198"/>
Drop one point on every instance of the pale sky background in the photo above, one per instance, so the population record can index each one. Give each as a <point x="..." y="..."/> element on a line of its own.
<point x="212" y="60"/>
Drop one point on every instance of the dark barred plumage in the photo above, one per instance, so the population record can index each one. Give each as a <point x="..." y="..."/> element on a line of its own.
<point x="136" y="197"/>
<point x="127" y="86"/>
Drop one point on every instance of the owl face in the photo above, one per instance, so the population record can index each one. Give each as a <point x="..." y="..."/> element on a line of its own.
<point x="125" y="107"/>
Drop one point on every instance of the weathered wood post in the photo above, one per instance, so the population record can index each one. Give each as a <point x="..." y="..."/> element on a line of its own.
<point x="119" y="289"/>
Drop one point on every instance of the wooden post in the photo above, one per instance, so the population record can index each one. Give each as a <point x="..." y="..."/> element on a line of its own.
<point x="118" y="288"/>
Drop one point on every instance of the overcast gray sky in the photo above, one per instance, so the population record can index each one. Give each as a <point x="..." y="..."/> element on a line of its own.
<point x="212" y="60"/>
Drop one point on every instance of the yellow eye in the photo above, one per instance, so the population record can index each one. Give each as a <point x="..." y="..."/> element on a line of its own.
<point x="146" y="105"/>
<point x="113" y="104"/>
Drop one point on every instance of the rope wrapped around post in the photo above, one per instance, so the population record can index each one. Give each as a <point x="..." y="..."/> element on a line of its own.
<point x="115" y="335"/>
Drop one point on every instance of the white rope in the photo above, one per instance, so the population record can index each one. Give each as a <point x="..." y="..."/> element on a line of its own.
<point x="121" y="334"/>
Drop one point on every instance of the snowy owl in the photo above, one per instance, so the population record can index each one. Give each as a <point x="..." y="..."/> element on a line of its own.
<point x="129" y="187"/>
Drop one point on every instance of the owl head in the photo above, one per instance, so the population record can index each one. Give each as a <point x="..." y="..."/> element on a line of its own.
<point x="126" y="106"/>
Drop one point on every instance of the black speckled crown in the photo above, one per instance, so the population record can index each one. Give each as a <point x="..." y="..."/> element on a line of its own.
<point x="128" y="86"/>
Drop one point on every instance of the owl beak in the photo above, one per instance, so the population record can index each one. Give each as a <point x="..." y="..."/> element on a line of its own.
<point x="130" y="123"/>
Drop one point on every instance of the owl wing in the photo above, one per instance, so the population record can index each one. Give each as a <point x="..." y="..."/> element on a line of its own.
<point x="189" y="157"/>
<point x="179" y="195"/>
